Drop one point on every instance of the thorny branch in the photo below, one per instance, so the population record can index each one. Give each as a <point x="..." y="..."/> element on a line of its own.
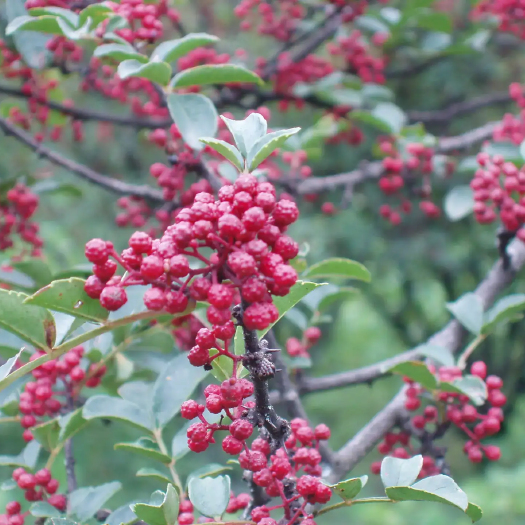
<point x="449" y="337"/>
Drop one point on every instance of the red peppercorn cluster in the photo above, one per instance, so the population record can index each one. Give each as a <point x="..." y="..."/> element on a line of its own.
<point x="355" y="55"/>
<point x="39" y="486"/>
<point x="499" y="191"/>
<point x="412" y="175"/>
<point x="509" y="13"/>
<point x="512" y="127"/>
<point x="245" y="228"/>
<point x="40" y="396"/>
<point x="278" y="20"/>
<point x="16" y="209"/>
<point x="299" y="348"/>
<point x="298" y="463"/>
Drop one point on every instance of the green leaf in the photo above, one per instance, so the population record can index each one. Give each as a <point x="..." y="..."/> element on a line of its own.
<point x="391" y="115"/>
<point x="120" y="52"/>
<point x="468" y="310"/>
<point x="459" y="202"/>
<point x="434" y="21"/>
<point x="31" y="323"/>
<point x="338" y="267"/>
<point x="121" y="516"/>
<point x="145" y="447"/>
<point x="440" y="488"/>
<point x="212" y="469"/>
<point x="341" y="295"/>
<point x="68" y="296"/>
<point x="108" y="407"/>
<point x="266" y="145"/>
<point x="162" y="509"/>
<point x="153" y="341"/>
<point x="42" y="509"/>
<point x="36" y="269"/>
<point x="416" y="371"/>
<point x="47" y="434"/>
<point x="28" y="458"/>
<point x="522" y="150"/>
<point x="59" y="12"/>
<point x="158" y="72"/>
<point x="298" y="291"/>
<point x="474" y="512"/>
<point x="509" y="151"/>
<point x="174" y="386"/>
<point x="70" y="424"/>
<point x="439" y="354"/>
<point x="247" y="132"/>
<point x="96" y="12"/>
<point x="152" y="473"/>
<point x="174" y="49"/>
<point x="469" y="385"/>
<point x="226" y="150"/>
<point x="350" y="488"/>
<point x="43" y="24"/>
<point x="366" y="117"/>
<point x="506" y="309"/>
<point x="214" y="74"/>
<point x="396" y="472"/>
<point x="86" y="501"/>
<point x="210" y="496"/>
<point x="63" y="521"/>
<point x="195" y="117"/>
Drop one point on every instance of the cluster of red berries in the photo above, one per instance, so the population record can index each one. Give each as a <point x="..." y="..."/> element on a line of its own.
<point x="299" y="347"/>
<point x="411" y="174"/>
<point x="354" y="51"/>
<point x="499" y="191"/>
<point x="297" y="464"/>
<point x="509" y="13"/>
<point x="41" y="397"/>
<point x="278" y="20"/>
<point x="512" y="127"/>
<point x="245" y="228"/>
<point x="39" y="486"/>
<point x="461" y="413"/>
<point x="16" y="209"/>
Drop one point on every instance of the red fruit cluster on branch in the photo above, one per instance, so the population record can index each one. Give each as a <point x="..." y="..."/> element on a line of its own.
<point x="499" y="191"/>
<point x="411" y="175"/>
<point x="299" y="348"/>
<point x="54" y="379"/>
<point x="509" y="13"/>
<point x="449" y="408"/>
<point x="512" y="128"/>
<point x="37" y="487"/>
<point x="245" y="229"/>
<point x="16" y="209"/>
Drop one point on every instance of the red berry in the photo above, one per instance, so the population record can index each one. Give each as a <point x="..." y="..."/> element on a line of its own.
<point x="232" y="446"/>
<point x="13" y="507"/>
<point x="152" y="267"/>
<point x="93" y="286"/>
<point x="96" y="251"/>
<point x="154" y="299"/>
<point x="140" y="242"/>
<point x="113" y="297"/>
<point x="479" y="368"/>
<point x="58" y="501"/>
<point x="492" y="453"/>
<point x="241" y="429"/>
<point x="191" y="409"/>
<point x="43" y="476"/>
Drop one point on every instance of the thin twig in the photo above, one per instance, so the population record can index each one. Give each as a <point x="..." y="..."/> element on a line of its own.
<point x="116" y="186"/>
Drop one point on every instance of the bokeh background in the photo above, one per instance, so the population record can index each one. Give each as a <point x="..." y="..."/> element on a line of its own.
<point x="416" y="267"/>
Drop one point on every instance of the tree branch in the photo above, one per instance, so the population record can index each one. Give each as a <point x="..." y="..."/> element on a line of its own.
<point x="374" y="170"/>
<point x="449" y="337"/>
<point x="116" y="186"/>
<point x="442" y="116"/>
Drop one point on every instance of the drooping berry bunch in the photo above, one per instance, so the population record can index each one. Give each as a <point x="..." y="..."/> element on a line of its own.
<point x="16" y="209"/>
<point x="499" y="191"/>
<point x="411" y="175"/>
<point x="448" y="408"/>
<point x="509" y="13"/>
<point x="299" y="347"/>
<point x="245" y="229"/>
<point x="53" y="382"/>
<point x="39" y="486"/>
<point x="512" y="127"/>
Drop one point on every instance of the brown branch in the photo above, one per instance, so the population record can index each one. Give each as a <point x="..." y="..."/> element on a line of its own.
<point x="87" y="115"/>
<point x="445" y="115"/>
<point x="116" y="186"/>
<point x="374" y="170"/>
<point x="449" y="337"/>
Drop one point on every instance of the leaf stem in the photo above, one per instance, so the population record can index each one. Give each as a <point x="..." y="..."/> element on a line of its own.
<point x="349" y="503"/>
<point x="463" y="358"/>
<point x="157" y="434"/>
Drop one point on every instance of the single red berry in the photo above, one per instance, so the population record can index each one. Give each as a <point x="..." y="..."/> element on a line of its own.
<point x="96" y="251"/>
<point x="232" y="446"/>
<point x="479" y="368"/>
<point x="241" y="429"/>
<point x="43" y="476"/>
<point x="93" y="286"/>
<point x="492" y="453"/>
<point x="154" y="299"/>
<point x="322" y="432"/>
<point x="58" y="501"/>
<point x="140" y="242"/>
<point x="13" y="507"/>
<point x="113" y="297"/>
<point x="191" y="409"/>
